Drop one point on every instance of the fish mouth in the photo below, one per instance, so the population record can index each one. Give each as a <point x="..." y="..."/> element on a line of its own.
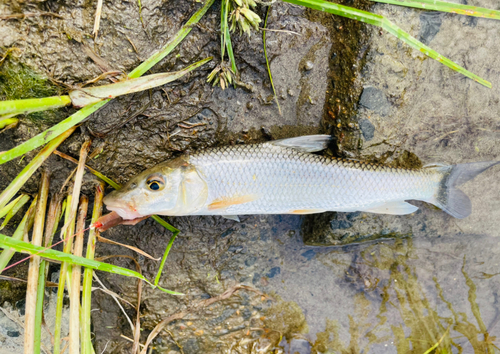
<point x="127" y="211"/>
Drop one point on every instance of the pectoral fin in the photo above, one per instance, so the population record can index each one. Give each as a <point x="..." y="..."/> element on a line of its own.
<point x="393" y="208"/>
<point x="223" y="203"/>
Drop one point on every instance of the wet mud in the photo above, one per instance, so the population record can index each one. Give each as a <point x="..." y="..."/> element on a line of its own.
<point x="333" y="282"/>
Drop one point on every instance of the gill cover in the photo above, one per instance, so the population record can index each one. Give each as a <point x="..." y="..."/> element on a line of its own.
<point x="192" y="192"/>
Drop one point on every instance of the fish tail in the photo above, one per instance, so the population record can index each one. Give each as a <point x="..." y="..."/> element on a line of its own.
<point x="448" y="197"/>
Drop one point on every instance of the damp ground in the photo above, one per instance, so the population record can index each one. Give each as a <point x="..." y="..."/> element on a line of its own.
<point x="335" y="282"/>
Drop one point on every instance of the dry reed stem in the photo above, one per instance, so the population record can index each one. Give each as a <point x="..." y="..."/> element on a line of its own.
<point x="53" y="217"/>
<point x="110" y="293"/>
<point x="87" y="275"/>
<point x="28" y="14"/>
<point x="62" y="275"/>
<point x="84" y="150"/>
<point x="97" y="20"/>
<point x="137" y="328"/>
<point x="29" y="321"/>
<point x="74" y="304"/>
<point x="137" y="332"/>
<point x="135" y="249"/>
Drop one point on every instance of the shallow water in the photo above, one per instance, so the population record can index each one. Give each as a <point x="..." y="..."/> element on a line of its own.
<point x="389" y="296"/>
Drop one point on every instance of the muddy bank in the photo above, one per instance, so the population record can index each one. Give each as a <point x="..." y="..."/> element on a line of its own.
<point x="403" y="110"/>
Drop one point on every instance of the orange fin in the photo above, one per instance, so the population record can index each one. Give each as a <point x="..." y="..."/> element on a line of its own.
<point x="223" y="203"/>
<point x="306" y="211"/>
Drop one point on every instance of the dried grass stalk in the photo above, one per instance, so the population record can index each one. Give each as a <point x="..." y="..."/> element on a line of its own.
<point x="74" y="305"/>
<point x="31" y="292"/>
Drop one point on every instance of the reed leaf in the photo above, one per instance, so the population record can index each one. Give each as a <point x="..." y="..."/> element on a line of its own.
<point x="20" y="201"/>
<point x="28" y="171"/>
<point x="444" y="6"/>
<point x="23" y="227"/>
<point x="384" y="23"/>
<point x="25" y="247"/>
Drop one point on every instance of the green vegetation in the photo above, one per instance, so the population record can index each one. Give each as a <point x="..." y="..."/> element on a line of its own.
<point x="19" y="81"/>
<point x="444" y="6"/>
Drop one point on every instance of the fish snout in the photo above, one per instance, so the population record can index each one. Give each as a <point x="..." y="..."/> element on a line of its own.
<point x="126" y="210"/>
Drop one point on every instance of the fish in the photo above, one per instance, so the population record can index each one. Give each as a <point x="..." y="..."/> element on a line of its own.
<point x="286" y="177"/>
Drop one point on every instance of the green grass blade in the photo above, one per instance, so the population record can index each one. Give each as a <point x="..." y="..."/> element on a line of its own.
<point x="50" y="133"/>
<point x="25" y="247"/>
<point x="444" y="6"/>
<point x="7" y="120"/>
<point x="39" y="307"/>
<point x="167" y="250"/>
<point x="23" y="199"/>
<point x="223" y="26"/>
<point x="83" y="113"/>
<point x="167" y="48"/>
<point x="384" y="23"/>
<point x="411" y="41"/>
<point x="230" y="52"/>
<point x="28" y="171"/>
<point x="169" y="291"/>
<point x="226" y="36"/>
<point x="267" y="60"/>
<point x="25" y="224"/>
<point x="6" y="209"/>
<point x="33" y="105"/>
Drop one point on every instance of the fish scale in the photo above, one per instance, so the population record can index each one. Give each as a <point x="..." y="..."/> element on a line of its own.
<point x="284" y="179"/>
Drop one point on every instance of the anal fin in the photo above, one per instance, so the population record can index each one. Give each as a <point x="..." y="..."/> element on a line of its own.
<point x="393" y="208"/>
<point x="306" y="211"/>
<point x="232" y="217"/>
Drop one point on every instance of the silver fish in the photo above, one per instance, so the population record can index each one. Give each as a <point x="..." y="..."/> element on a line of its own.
<point x="283" y="177"/>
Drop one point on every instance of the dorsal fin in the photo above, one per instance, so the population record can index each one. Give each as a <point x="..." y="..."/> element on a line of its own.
<point x="307" y="143"/>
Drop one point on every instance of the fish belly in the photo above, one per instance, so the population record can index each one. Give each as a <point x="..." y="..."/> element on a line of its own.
<point x="268" y="179"/>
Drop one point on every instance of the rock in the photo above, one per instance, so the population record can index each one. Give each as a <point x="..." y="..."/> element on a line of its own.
<point x="191" y="346"/>
<point x="430" y="23"/>
<point x="344" y="228"/>
<point x="367" y="128"/>
<point x="273" y="272"/>
<point x="308" y="65"/>
<point x="375" y="100"/>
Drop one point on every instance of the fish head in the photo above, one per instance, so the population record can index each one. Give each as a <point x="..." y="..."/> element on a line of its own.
<point x="171" y="188"/>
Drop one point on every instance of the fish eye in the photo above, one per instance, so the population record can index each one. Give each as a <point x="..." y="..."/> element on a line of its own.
<point x="155" y="183"/>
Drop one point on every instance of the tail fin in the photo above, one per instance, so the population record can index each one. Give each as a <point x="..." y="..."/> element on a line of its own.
<point x="451" y="199"/>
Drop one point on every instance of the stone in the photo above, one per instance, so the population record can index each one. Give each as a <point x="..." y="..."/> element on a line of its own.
<point x="375" y="100"/>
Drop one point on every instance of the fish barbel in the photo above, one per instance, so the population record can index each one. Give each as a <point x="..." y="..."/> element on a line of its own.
<point x="283" y="177"/>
